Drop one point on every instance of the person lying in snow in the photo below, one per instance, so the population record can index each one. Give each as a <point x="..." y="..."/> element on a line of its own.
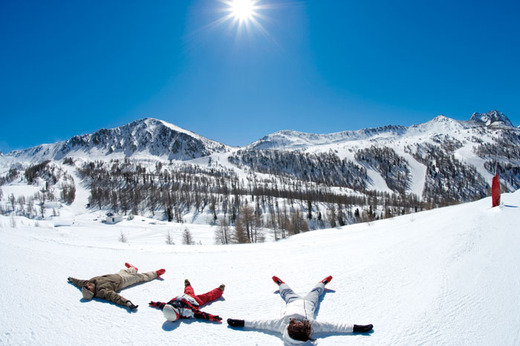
<point x="297" y="323"/>
<point x="106" y="286"/>
<point x="187" y="305"/>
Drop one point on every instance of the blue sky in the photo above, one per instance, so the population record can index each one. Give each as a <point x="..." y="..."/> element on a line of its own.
<point x="320" y="66"/>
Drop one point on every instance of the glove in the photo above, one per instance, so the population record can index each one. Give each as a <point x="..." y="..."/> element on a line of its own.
<point x="235" y="323"/>
<point x="362" y="328"/>
<point x="215" y="318"/>
<point x="131" y="305"/>
<point x="159" y="305"/>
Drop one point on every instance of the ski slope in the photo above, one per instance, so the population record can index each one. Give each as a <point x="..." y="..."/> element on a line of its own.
<point x="442" y="277"/>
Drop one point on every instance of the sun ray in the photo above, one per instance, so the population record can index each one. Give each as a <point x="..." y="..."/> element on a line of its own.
<point x="244" y="18"/>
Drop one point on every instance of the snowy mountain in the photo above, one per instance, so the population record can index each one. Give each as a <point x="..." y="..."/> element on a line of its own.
<point x="140" y="139"/>
<point x="442" y="156"/>
<point x="153" y="168"/>
<point x="441" y="125"/>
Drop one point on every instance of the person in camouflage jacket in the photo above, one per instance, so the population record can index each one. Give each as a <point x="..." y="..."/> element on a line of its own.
<point x="107" y="286"/>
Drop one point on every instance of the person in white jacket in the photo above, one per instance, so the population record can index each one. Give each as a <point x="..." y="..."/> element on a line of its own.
<point x="298" y="324"/>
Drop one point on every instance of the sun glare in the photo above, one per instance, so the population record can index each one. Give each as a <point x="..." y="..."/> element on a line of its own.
<point x="244" y="15"/>
<point x="242" y="10"/>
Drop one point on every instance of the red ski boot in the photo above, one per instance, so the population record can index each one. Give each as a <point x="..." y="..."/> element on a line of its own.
<point x="128" y="265"/>
<point x="160" y="272"/>
<point x="327" y="280"/>
<point x="277" y="280"/>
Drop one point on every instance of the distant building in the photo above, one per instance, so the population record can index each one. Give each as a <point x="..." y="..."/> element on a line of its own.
<point x="111" y="218"/>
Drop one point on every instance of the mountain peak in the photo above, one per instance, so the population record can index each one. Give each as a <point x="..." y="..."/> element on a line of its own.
<point x="152" y="124"/>
<point x="491" y="118"/>
<point x="140" y="138"/>
<point x="441" y="118"/>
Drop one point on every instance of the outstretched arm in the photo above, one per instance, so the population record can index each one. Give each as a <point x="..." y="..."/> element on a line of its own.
<point x="201" y="315"/>
<point x="112" y="296"/>
<point x="328" y="327"/>
<point x="271" y="325"/>
<point x="159" y="305"/>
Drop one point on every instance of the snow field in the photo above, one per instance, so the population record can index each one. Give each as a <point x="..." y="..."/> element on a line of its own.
<point x="441" y="277"/>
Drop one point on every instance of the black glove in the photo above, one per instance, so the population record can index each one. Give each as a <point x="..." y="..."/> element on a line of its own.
<point x="362" y="328"/>
<point x="131" y="305"/>
<point x="235" y="323"/>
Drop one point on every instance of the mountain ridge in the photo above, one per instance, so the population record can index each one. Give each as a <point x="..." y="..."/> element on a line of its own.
<point x="442" y="161"/>
<point x="151" y="136"/>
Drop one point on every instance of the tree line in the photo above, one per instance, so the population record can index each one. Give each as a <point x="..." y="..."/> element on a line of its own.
<point x="246" y="204"/>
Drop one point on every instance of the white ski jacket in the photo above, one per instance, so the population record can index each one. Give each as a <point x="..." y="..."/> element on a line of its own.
<point x="299" y="309"/>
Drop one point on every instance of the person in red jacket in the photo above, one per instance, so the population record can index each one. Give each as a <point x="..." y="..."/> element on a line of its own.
<point x="187" y="305"/>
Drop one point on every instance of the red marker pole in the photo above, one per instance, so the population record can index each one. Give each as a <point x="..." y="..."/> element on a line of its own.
<point x="495" y="191"/>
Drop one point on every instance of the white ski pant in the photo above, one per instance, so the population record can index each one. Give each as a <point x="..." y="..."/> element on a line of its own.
<point x="312" y="297"/>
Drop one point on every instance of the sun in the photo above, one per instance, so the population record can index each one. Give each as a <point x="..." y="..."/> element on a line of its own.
<point x="243" y="10"/>
<point x="244" y="16"/>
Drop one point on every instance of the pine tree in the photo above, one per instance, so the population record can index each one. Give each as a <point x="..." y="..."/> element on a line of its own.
<point x="187" y="239"/>
<point x="169" y="239"/>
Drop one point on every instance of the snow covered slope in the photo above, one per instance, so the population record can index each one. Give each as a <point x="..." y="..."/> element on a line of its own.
<point x="287" y="140"/>
<point x="443" y="277"/>
<point x="456" y="149"/>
